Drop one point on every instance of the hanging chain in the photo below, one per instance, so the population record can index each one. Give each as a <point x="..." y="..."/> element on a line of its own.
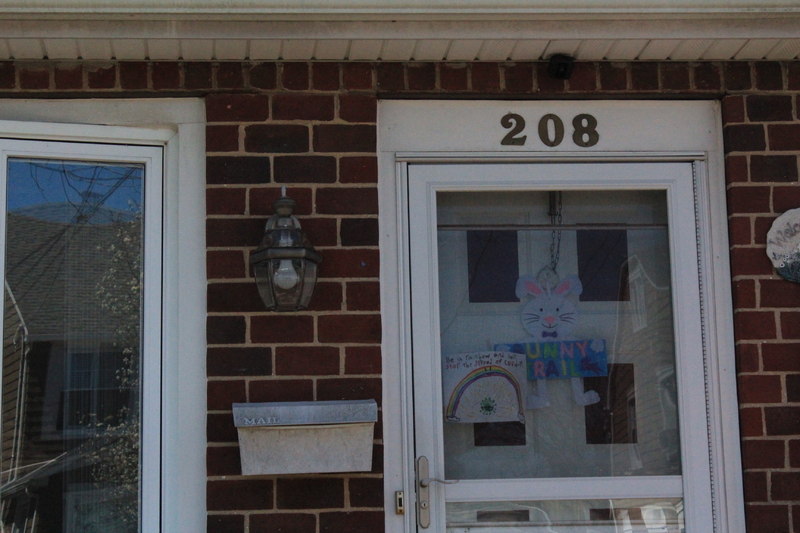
<point x="555" y="235"/>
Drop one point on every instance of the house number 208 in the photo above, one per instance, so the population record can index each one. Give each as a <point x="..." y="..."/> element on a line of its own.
<point x="551" y="130"/>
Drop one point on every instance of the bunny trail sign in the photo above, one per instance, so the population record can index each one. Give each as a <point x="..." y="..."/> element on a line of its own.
<point x="562" y="359"/>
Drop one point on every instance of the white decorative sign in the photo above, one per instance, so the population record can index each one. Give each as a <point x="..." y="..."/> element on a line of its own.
<point x="783" y="245"/>
<point x="484" y="387"/>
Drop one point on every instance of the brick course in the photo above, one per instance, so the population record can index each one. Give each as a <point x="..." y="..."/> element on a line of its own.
<point x="313" y="126"/>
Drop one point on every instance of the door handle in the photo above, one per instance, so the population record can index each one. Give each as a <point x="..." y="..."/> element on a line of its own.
<point x="424" y="493"/>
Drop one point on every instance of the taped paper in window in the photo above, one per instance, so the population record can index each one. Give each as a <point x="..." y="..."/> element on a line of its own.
<point x="562" y="359"/>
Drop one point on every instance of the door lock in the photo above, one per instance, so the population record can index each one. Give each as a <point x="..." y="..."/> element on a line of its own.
<point x="423" y="492"/>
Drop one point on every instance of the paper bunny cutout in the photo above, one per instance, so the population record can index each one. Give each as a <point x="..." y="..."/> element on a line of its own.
<point x="551" y="316"/>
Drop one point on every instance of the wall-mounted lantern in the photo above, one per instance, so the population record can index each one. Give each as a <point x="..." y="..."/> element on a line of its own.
<point x="285" y="263"/>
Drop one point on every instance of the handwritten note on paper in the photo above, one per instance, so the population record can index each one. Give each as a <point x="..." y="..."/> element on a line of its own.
<point x="484" y="387"/>
<point x="562" y="359"/>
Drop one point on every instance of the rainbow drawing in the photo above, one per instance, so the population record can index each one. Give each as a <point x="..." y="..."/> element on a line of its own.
<point x="476" y="375"/>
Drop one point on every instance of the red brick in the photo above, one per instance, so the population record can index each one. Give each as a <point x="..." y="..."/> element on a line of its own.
<point x="345" y="138"/>
<point x="790" y="325"/>
<point x="166" y="75"/>
<point x="276" y="138"/>
<point x="769" y="108"/>
<point x="744" y="138"/>
<point x="794" y="454"/>
<point x="240" y="361"/>
<point x="283" y="523"/>
<point x="644" y="76"/>
<point x="779" y="293"/>
<point x="306" y="361"/>
<point x="736" y="168"/>
<point x="755" y="487"/>
<point x="421" y="76"/>
<point x="737" y="75"/>
<point x="221" y="232"/>
<point x="785" y="486"/>
<point x="263" y="76"/>
<point x="793" y="76"/>
<point x="225" y="524"/>
<point x="295" y="76"/>
<point x="349" y="389"/>
<point x="230" y="76"/>
<point x="362" y="360"/>
<point x="707" y="76"/>
<point x="750" y="262"/>
<point x="8" y="75"/>
<point x="320" y="231"/>
<point x="773" y="168"/>
<point x="362" y="329"/>
<point x="784" y="136"/>
<point x="751" y="423"/>
<point x="359" y="232"/>
<point x="391" y="76"/>
<point x="732" y="109"/>
<point x="545" y="82"/>
<point x="759" y="389"/>
<point x="785" y="198"/>
<point x="281" y="390"/>
<point x="229" y="170"/>
<point x="366" y="492"/>
<point x="305" y="169"/>
<point x="351" y="263"/>
<point x="769" y="75"/>
<point x="222" y="138"/>
<point x="744" y="294"/>
<point x="485" y="77"/>
<point x="221" y="394"/>
<point x="225" y="264"/>
<point x="518" y="77"/>
<point x="358" y="108"/>
<point x="327" y="297"/>
<point x="236" y="297"/>
<point x="762" y="454"/>
<point x="223" y="461"/>
<point x="33" y="78"/>
<point x="782" y="420"/>
<point x="781" y="357"/>
<point x="739" y="230"/>
<point x="302" y="107"/>
<point x="454" y="76"/>
<point x="357" y="76"/>
<point x="261" y="200"/>
<point x="237" y="107"/>
<point x="352" y="522"/>
<point x="347" y="201"/>
<point x="225" y="329"/>
<point x="761" y="228"/>
<point x="310" y="493"/>
<point x="325" y="76"/>
<point x="767" y="518"/>
<point x="220" y="428"/>
<point x="584" y="77"/>
<point x="68" y="77"/>
<point x="748" y="200"/>
<point x="793" y="388"/>
<point x="751" y="325"/>
<point x="240" y="494"/>
<point x="281" y="328"/>
<point x="747" y="359"/>
<point x="363" y="296"/>
<point x="197" y="75"/>
<point x="613" y="76"/>
<point x="225" y="201"/>
<point x="133" y="75"/>
<point x="362" y="169"/>
<point x="102" y="77"/>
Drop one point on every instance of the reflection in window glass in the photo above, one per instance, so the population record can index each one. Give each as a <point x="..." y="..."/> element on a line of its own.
<point x="71" y="347"/>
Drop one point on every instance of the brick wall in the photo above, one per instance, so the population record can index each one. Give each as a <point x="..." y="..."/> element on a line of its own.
<point x="312" y="127"/>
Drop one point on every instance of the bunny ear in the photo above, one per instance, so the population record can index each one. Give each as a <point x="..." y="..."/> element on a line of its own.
<point x="528" y="286"/>
<point x="570" y="284"/>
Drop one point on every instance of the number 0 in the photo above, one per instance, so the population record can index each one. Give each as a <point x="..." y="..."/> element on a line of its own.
<point x="544" y="130"/>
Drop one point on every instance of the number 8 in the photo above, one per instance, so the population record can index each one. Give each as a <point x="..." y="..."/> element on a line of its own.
<point x="590" y="129"/>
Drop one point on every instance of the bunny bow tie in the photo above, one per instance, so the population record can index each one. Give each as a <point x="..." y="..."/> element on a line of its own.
<point x="546" y="334"/>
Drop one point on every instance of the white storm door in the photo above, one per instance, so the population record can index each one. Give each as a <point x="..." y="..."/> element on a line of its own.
<point x="558" y="371"/>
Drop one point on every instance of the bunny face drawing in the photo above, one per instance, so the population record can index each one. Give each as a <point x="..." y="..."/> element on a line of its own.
<point x="549" y="315"/>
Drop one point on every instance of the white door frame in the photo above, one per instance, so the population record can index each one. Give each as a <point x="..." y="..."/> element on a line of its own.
<point x="439" y="131"/>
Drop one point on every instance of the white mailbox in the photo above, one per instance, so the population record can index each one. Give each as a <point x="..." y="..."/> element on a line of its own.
<point x="305" y="437"/>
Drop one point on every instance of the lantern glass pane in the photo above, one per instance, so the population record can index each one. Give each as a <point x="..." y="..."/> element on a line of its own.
<point x="309" y="281"/>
